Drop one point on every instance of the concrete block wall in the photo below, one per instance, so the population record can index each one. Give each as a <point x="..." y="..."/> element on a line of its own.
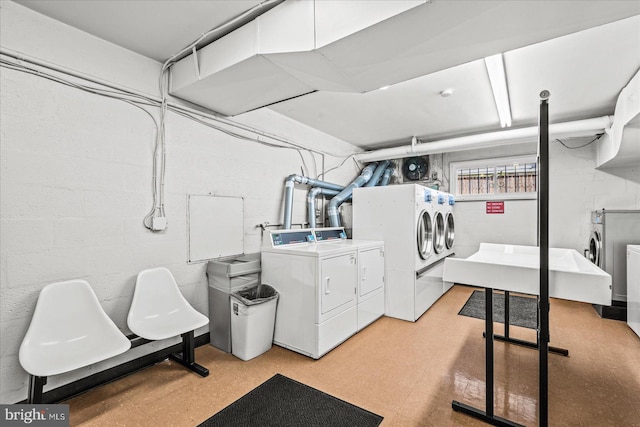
<point x="576" y="188"/>
<point x="76" y="180"/>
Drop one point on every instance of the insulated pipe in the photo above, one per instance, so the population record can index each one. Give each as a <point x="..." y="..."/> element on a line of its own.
<point x="386" y="177"/>
<point x="377" y="173"/>
<point x="492" y="139"/>
<point x="311" y="202"/>
<point x="332" y="207"/>
<point x="288" y="193"/>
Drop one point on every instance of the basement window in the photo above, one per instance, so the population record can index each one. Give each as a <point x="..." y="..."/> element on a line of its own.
<point x="495" y="179"/>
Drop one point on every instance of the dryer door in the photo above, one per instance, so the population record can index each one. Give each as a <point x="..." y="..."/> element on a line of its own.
<point x="438" y="233"/>
<point x="449" y="231"/>
<point x="425" y="235"/>
<point x="595" y="248"/>
<point x="371" y="270"/>
<point x="339" y="277"/>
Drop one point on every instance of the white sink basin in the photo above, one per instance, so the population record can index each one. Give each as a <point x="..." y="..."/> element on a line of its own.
<point x="516" y="268"/>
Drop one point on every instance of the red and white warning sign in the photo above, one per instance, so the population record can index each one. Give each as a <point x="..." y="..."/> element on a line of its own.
<point x="495" y="207"/>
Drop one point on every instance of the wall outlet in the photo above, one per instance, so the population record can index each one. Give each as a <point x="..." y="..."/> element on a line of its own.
<point x="158" y="223"/>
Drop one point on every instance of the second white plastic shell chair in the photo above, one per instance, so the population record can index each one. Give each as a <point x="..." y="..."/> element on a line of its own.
<point x="159" y="311"/>
<point x="68" y="330"/>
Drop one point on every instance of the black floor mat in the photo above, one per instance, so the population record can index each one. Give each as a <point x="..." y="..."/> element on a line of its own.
<point x="523" y="311"/>
<point x="282" y="402"/>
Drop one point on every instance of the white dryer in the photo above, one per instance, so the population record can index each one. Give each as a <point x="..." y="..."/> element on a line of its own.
<point x="317" y="286"/>
<point x="444" y="224"/>
<point x="401" y="216"/>
<point x="370" y="260"/>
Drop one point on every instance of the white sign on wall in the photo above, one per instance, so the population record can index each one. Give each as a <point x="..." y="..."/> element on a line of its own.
<point x="216" y="226"/>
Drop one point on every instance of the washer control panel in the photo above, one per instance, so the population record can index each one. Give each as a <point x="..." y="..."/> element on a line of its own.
<point x="305" y="236"/>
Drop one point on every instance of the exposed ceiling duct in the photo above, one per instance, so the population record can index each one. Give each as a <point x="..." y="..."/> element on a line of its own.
<point x="305" y="46"/>
<point x="281" y="55"/>
<point x="621" y="145"/>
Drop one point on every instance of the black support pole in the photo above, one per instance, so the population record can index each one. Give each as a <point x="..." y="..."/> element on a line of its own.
<point x="488" y="415"/>
<point x="506" y="314"/>
<point x="488" y="328"/>
<point x="543" y="301"/>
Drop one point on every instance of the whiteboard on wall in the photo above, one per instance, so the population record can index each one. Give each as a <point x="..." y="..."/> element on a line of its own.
<point x="216" y="226"/>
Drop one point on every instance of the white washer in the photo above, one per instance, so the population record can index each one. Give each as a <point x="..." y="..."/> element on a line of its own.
<point x="400" y="216"/>
<point x="317" y="284"/>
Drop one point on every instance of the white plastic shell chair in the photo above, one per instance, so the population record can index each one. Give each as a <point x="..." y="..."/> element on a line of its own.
<point x="159" y="311"/>
<point x="68" y="330"/>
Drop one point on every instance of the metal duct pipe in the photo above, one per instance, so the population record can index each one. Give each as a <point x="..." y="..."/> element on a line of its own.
<point x="311" y="202"/>
<point x="492" y="139"/>
<point x="332" y="208"/>
<point x="288" y="193"/>
<point x="382" y="166"/>
<point x="386" y="177"/>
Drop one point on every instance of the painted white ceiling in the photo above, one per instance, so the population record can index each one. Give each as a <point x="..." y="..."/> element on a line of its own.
<point x="153" y="28"/>
<point x="585" y="71"/>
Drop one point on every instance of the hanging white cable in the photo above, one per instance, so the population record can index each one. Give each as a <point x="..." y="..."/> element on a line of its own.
<point x="132" y="100"/>
<point x="160" y="148"/>
<point x="135" y="98"/>
<point x="156" y="101"/>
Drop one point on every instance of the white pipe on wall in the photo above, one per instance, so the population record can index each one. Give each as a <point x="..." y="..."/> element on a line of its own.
<point x="492" y="139"/>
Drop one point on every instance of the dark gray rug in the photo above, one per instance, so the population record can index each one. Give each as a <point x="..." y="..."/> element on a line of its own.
<point x="283" y="402"/>
<point x="523" y="311"/>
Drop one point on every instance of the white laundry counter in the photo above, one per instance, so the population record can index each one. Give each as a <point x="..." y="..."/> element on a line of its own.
<point x="517" y="268"/>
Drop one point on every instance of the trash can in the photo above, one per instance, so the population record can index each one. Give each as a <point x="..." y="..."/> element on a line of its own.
<point x="226" y="276"/>
<point x="253" y="317"/>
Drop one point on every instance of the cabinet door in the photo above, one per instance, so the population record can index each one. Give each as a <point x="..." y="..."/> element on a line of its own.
<point x="371" y="270"/>
<point x="338" y="276"/>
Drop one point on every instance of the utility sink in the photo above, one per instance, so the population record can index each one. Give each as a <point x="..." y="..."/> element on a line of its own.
<point x="516" y="268"/>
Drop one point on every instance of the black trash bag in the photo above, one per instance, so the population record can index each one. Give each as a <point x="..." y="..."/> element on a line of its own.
<point x="255" y="294"/>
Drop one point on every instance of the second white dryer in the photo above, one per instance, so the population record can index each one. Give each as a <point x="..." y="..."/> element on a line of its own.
<point x="401" y="216"/>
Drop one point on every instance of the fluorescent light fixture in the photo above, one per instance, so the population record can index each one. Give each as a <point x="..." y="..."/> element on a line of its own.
<point x="495" y="68"/>
<point x="384" y="88"/>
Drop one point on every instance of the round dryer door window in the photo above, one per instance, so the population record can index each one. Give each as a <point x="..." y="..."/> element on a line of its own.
<point x="438" y="233"/>
<point x="449" y="233"/>
<point x="595" y="246"/>
<point x="425" y="235"/>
